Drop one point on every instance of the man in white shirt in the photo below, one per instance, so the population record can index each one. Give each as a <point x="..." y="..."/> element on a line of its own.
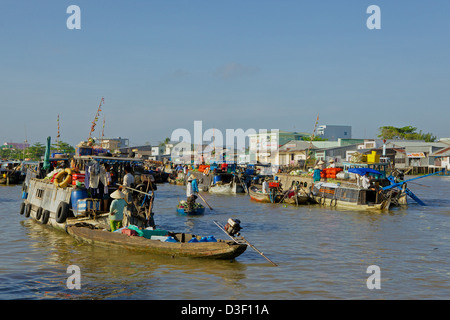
<point x="265" y="187"/>
<point x="332" y="164"/>
<point x="365" y="181"/>
<point x="128" y="181"/>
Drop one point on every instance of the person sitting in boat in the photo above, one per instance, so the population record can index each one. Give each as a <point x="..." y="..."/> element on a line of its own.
<point x="191" y="192"/>
<point x="116" y="210"/>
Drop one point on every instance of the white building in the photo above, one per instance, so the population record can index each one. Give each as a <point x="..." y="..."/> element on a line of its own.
<point x="264" y="145"/>
<point x="334" y="132"/>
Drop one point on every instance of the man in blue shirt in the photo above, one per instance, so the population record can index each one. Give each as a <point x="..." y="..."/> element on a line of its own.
<point x="191" y="192"/>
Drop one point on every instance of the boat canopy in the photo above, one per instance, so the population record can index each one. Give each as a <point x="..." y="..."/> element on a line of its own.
<point x="363" y="171"/>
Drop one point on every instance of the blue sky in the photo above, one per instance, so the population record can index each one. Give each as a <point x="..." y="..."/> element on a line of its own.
<point x="257" y="64"/>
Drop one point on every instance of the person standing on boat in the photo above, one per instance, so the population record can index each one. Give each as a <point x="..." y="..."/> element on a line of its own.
<point x="108" y="181"/>
<point x="365" y="181"/>
<point x="316" y="175"/>
<point x="128" y="181"/>
<point x="265" y="186"/>
<point x="116" y="210"/>
<point x="191" y="192"/>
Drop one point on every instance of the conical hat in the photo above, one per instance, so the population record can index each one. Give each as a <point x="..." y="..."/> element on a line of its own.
<point x="117" y="195"/>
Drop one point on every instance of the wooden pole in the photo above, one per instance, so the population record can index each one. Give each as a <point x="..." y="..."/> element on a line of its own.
<point x="205" y="201"/>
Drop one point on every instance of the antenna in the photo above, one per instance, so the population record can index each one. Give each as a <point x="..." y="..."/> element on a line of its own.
<point x="57" y="137"/>
<point x="310" y="142"/>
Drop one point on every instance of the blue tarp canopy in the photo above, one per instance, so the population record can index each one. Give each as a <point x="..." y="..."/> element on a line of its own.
<point x="363" y="171"/>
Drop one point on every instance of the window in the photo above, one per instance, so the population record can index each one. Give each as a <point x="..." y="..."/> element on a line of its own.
<point x="39" y="193"/>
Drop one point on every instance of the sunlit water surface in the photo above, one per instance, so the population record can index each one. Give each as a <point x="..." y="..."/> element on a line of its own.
<point x="321" y="253"/>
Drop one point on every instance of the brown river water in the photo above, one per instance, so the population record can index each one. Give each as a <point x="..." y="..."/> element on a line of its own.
<point x="321" y="253"/>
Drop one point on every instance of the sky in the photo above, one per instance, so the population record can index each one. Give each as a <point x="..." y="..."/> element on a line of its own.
<point x="161" y="65"/>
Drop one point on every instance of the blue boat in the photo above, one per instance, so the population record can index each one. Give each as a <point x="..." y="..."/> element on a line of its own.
<point x="197" y="210"/>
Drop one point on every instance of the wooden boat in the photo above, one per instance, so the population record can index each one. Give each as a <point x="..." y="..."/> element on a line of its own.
<point x="343" y="196"/>
<point x="302" y="198"/>
<point x="197" y="210"/>
<point x="181" y="248"/>
<point x="226" y="188"/>
<point x="258" y="195"/>
<point x="225" y="183"/>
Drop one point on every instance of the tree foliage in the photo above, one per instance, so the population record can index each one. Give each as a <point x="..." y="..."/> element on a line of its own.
<point x="35" y="152"/>
<point x="405" y="133"/>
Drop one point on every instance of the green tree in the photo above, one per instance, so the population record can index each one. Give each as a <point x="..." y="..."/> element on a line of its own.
<point x="36" y="151"/>
<point x="405" y="133"/>
<point x="62" y="147"/>
<point x="316" y="138"/>
<point x="166" y="141"/>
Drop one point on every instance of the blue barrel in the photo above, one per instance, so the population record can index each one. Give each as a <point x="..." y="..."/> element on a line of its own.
<point x="217" y="179"/>
<point x="76" y="195"/>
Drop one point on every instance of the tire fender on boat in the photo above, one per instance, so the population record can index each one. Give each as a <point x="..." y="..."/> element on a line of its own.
<point x="45" y="216"/>
<point x="62" y="212"/>
<point x="39" y="213"/>
<point x="22" y="208"/>
<point x="28" y="210"/>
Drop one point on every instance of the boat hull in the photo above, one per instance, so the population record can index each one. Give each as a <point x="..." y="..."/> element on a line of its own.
<point x="193" y="212"/>
<point x="258" y="196"/>
<point x="212" y="250"/>
<point x="301" y="199"/>
<point x="226" y="188"/>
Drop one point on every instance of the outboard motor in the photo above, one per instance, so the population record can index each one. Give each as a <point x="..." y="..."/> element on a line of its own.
<point x="233" y="227"/>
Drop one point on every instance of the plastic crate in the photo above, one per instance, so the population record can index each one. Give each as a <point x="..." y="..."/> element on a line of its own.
<point x="85" y="205"/>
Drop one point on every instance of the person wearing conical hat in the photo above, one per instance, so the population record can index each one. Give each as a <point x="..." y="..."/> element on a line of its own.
<point x="332" y="164"/>
<point x="316" y="175"/>
<point x="320" y="163"/>
<point x="116" y="209"/>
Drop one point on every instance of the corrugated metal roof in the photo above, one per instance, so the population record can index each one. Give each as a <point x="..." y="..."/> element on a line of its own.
<point x="444" y="152"/>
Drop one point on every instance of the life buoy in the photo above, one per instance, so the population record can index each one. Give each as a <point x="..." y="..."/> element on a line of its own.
<point x="39" y="213"/>
<point x="45" y="216"/>
<point x="62" y="212"/>
<point x="28" y="210"/>
<point x="63" y="178"/>
<point x="22" y="208"/>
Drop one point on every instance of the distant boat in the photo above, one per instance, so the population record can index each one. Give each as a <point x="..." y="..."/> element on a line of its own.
<point x="351" y="197"/>
<point x="226" y="183"/>
<point x="258" y="195"/>
<point x="297" y="198"/>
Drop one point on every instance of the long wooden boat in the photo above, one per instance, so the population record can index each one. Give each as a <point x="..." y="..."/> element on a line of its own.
<point x="221" y="249"/>
<point x="342" y="196"/>
<point x="199" y="209"/>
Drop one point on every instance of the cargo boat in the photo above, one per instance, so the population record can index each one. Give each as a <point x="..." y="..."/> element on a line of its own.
<point x="341" y="196"/>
